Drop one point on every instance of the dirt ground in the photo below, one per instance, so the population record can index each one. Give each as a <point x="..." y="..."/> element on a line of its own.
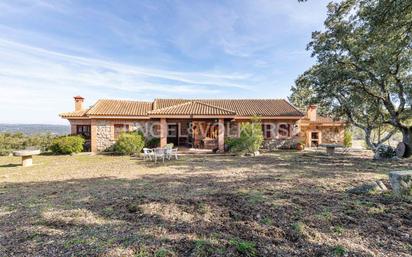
<point x="277" y="204"/>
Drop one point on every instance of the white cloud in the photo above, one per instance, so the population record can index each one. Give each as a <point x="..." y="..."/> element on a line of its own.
<point x="233" y="48"/>
<point x="37" y="78"/>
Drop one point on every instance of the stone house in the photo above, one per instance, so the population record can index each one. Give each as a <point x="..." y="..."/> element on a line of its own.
<point x="198" y="123"/>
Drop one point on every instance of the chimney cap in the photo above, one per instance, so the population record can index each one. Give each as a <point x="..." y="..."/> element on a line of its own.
<point x="78" y="97"/>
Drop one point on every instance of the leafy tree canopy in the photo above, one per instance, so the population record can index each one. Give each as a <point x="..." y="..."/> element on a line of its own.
<point x="364" y="64"/>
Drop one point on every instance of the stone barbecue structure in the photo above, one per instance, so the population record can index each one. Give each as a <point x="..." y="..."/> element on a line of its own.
<point x="200" y="123"/>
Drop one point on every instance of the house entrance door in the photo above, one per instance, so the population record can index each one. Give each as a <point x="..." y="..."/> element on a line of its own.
<point x="314" y="140"/>
<point x="172" y="134"/>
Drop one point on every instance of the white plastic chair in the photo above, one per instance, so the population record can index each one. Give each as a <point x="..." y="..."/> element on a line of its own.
<point x="174" y="153"/>
<point x="148" y="153"/>
<point x="171" y="152"/>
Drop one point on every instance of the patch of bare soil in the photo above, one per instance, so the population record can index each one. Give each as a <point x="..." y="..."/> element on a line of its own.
<point x="278" y="204"/>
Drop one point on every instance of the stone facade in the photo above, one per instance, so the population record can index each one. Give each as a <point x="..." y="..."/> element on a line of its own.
<point x="332" y="135"/>
<point x="104" y="132"/>
<point x="277" y="143"/>
<point x="326" y="134"/>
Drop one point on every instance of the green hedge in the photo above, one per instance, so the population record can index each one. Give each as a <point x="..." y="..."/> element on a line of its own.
<point x="67" y="145"/>
<point x="250" y="140"/>
<point x="129" y="143"/>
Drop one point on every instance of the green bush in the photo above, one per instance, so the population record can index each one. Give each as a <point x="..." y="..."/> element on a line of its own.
<point x="129" y="143"/>
<point x="347" y="138"/>
<point x="152" y="142"/>
<point x="232" y="143"/>
<point x="67" y="145"/>
<point x="251" y="138"/>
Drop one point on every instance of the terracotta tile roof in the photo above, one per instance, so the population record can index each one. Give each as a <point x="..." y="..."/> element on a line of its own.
<point x="120" y="108"/>
<point x="192" y="108"/>
<point x="242" y="107"/>
<point x="231" y="107"/>
<point x="73" y="114"/>
<point x="322" y="119"/>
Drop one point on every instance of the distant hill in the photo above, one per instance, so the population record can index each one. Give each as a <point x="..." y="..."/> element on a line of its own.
<point x="31" y="129"/>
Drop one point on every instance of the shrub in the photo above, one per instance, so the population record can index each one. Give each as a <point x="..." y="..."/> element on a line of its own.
<point x="347" y="138"/>
<point x="251" y="137"/>
<point x="232" y="143"/>
<point x="129" y="143"/>
<point x="67" y="144"/>
<point x="152" y="142"/>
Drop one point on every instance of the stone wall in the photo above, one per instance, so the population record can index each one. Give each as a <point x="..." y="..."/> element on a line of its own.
<point x="277" y="143"/>
<point x="332" y="135"/>
<point x="105" y="131"/>
<point x="328" y="135"/>
<point x="104" y="135"/>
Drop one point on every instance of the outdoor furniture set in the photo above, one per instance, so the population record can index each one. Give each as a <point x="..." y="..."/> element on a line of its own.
<point x="160" y="153"/>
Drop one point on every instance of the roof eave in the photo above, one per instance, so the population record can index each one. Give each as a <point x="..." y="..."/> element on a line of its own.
<point x="190" y="116"/>
<point x="269" y="117"/>
<point x="140" y="117"/>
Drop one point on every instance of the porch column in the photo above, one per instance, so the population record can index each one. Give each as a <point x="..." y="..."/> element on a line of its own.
<point x="221" y="137"/>
<point x="163" y="132"/>
<point x="308" y="137"/>
<point x="93" y="136"/>
<point x="73" y="128"/>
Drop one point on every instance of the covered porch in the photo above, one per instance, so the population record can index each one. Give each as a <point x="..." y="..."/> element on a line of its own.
<point x="194" y="133"/>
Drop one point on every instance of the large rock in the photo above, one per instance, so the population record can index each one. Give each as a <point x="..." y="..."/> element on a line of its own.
<point x="369" y="188"/>
<point x="401" y="182"/>
<point x="384" y="152"/>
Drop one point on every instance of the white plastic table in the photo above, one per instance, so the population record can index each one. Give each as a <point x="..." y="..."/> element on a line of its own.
<point x="26" y="156"/>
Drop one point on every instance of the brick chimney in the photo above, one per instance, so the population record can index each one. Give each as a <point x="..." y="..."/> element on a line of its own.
<point x="78" y="103"/>
<point x="312" y="112"/>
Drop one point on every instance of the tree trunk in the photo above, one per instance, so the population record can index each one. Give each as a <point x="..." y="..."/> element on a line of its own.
<point x="407" y="140"/>
<point x="372" y="145"/>
<point x="368" y="141"/>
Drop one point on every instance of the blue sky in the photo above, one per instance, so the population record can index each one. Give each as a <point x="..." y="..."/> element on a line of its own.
<point x="53" y="50"/>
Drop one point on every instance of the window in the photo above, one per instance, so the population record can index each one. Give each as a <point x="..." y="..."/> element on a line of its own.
<point x="83" y="130"/>
<point x="119" y="128"/>
<point x="284" y="130"/>
<point x="267" y="130"/>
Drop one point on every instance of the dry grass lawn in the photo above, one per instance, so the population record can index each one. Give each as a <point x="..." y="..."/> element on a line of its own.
<point x="279" y="204"/>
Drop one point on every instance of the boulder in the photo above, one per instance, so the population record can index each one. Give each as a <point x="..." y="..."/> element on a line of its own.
<point x="400" y="150"/>
<point x="385" y="152"/>
<point x="401" y="182"/>
<point x="369" y="188"/>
